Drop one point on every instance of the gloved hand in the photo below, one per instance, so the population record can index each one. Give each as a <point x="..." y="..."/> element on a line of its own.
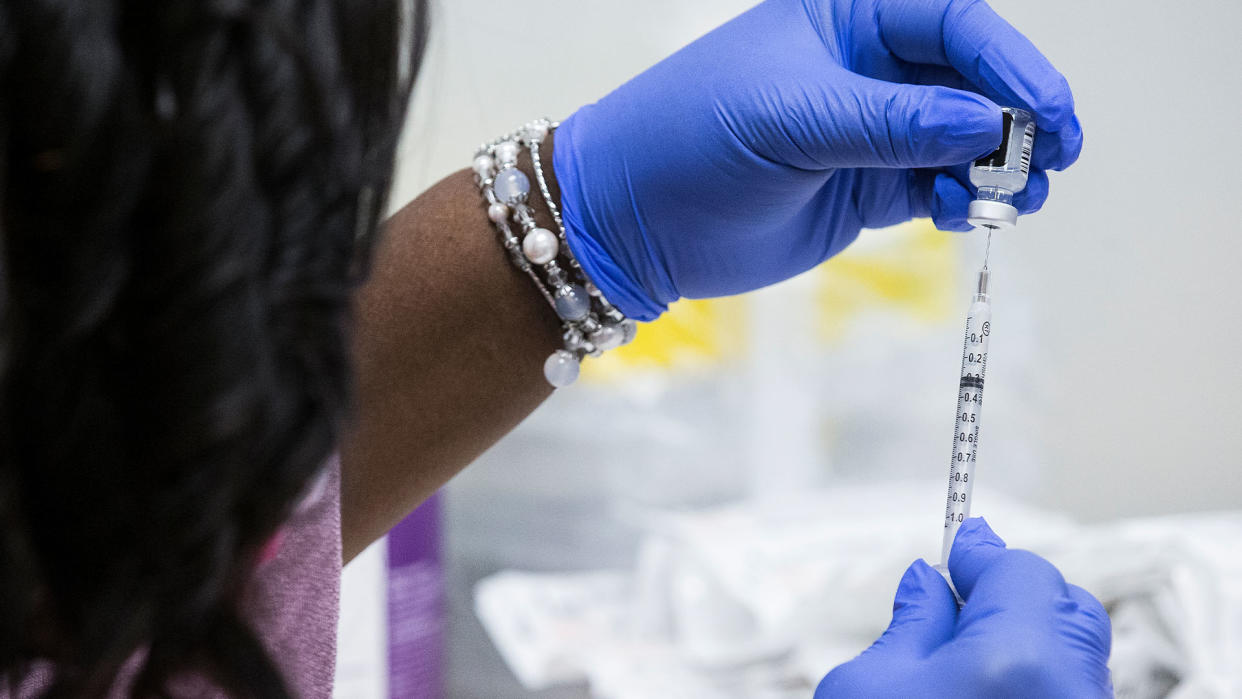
<point x="761" y="149"/>
<point x="1022" y="632"/>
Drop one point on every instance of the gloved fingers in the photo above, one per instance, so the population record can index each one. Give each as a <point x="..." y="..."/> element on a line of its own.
<point x="1032" y="198"/>
<point x="924" y="613"/>
<point x="940" y="195"/>
<point x="1092" y="634"/>
<point x="949" y="204"/>
<point x="873" y="123"/>
<point x="993" y="579"/>
<point x="944" y="76"/>
<point x="864" y="676"/>
<point x="975" y="548"/>
<point x="878" y="195"/>
<point x="924" y="616"/>
<point x="1057" y="151"/>
<point x="969" y="36"/>
<point x="1054" y="150"/>
<point x="1096" y="627"/>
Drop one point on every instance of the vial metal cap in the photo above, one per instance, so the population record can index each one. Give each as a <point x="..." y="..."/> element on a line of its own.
<point x="991" y="214"/>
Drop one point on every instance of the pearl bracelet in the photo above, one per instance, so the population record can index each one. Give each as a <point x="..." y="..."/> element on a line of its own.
<point x="590" y="324"/>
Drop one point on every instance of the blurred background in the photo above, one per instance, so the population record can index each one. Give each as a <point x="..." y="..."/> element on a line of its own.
<point x="1112" y="403"/>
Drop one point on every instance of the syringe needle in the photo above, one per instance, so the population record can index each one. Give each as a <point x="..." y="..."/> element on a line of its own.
<point x="988" y="249"/>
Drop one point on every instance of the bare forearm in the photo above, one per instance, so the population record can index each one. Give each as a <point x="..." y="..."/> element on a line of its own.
<point x="449" y="346"/>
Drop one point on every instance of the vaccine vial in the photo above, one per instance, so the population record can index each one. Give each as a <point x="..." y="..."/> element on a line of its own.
<point x="1002" y="173"/>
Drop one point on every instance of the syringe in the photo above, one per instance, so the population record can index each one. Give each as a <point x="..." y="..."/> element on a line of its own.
<point x="997" y="177"/>
<point x="969" y="411"/>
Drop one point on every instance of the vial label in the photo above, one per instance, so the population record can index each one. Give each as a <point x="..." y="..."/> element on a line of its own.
<point x="1028" y="141"/>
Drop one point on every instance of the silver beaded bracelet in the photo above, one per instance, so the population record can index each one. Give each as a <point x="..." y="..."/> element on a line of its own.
<point x="590" y="325"/>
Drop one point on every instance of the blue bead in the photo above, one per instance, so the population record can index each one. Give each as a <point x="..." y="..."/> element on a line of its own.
<point x="572" y="302"/>
<point x="511" y="186"/>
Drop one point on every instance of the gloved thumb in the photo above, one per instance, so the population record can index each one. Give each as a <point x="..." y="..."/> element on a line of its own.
<point x="882" y="124"/>
<point x="924" y="613"/>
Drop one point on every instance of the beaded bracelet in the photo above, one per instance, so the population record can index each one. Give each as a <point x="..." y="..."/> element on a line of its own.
<point x="590" y="324"/>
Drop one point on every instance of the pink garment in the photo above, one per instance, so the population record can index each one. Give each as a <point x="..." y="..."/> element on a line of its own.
<point x="293" y="604"/>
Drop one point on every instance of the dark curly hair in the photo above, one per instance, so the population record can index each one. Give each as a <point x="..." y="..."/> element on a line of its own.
<point x="189" y="188"/>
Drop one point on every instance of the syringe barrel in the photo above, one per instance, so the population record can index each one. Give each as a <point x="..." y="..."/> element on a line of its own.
<point x="967" y="423"/>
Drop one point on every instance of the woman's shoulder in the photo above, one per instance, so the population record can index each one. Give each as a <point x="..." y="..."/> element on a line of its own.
<point x="292" y="603"/>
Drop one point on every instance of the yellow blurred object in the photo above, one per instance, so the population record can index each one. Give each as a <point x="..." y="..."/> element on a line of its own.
<point x="693" y="334"/>
<point x="910" y="272"/>
<point x="907" y="270"/>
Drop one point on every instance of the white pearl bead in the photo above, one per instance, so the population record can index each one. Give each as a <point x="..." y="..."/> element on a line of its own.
<point x="507" y="152"/>
<point x="483" y="166"/>
<point x="561" y="368"/>
<point x="540" y="246"/>
<point x="537" y="132"/>
<point x="498" y="213"/>
<point x="607" y="337"/>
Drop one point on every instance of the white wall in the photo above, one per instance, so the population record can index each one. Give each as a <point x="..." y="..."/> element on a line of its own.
<point x="1135" y="258"/>
<point x="1131" y="270"/>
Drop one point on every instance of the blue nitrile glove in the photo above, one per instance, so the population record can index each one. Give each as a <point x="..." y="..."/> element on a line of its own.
<point x="1022" y="632"/>
<point x="761" y="149"/>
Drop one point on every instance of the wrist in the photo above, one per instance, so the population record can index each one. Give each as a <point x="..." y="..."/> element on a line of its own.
<point x="511" y="176"/>
<point x="588" y="236"/>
